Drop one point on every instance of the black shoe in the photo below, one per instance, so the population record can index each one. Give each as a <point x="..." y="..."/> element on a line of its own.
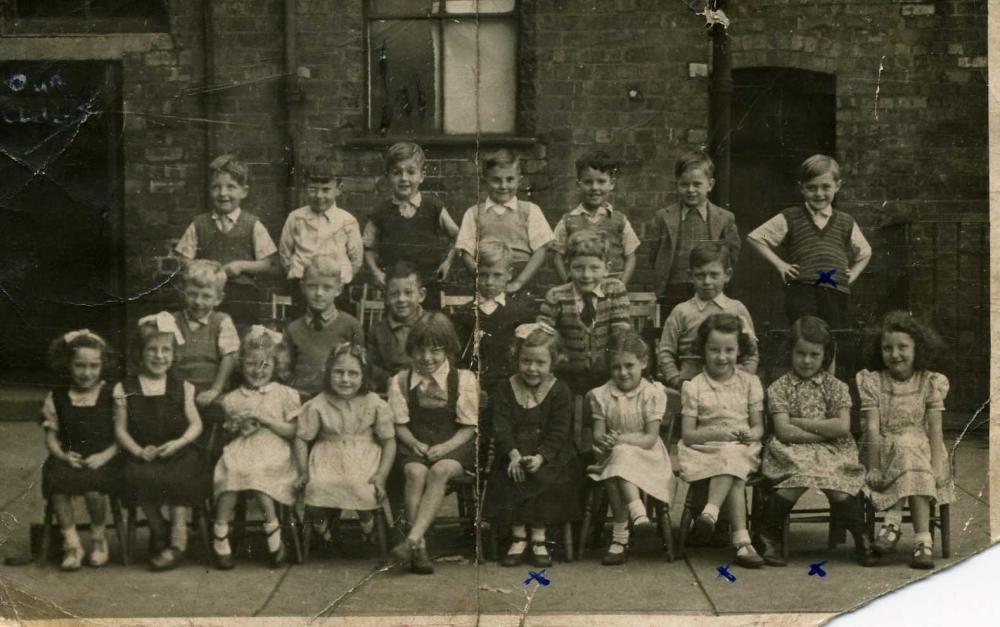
<point x="403" y="552"/>
<point x="514" y="559"/>
<point x="224" y="562"/>
<point x="923" y="557"/>
<point x="750" y="560"/>
<point x="851" y="514"/>
<point x="772" y="534"/>
<point x="170" y="558"/>
<point x="702" y="530"/>
<point x="770" y="551"/>
<point x="421" y="563"/>
<point x="615" y="559"/>
<point x="540" y="560"/>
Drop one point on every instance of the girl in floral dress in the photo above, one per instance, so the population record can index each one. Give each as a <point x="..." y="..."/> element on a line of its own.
<point x="721" y="428"/>
<point x="812" y="445"/>
<point x="901" y="404"/>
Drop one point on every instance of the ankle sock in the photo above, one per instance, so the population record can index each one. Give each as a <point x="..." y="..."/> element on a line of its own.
<point x="893" y="517"/>
<point x="367" y="525"/>
<point x="71" y="540"/>
<point x="273" y="538"/>
<point x="741" y="537"/>
<point x="538" y="535"/>
<point x="97" y="532"/>
<point x="179" y="533"/>
<point x="711" y="511"/>
<point x="637" y="511"/>
<point x="923" y="538"/>
<point x="221" y="530"/>
<point x="619" y="533"/>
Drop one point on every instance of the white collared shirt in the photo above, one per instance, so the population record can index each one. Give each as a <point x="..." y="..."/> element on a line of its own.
<point x="774" y="231"/>
<point x="331" y="232"/>
<point x="466" y="406"/>
<point x="263" y="245"/>
<point x="539" y="231"/>
<point x="578" y="297"/>
<point x="229" y="339"/>
<point x="630" y="241"/>
<point x="488" y="306"/>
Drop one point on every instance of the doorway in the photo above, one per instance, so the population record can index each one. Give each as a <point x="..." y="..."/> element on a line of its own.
<point x="61" y="249"/>
<point x="781" y="116"/>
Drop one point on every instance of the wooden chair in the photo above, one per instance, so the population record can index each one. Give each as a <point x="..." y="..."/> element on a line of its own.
<point x="371" y="306"/>
<point x="50" y="528"/>
<point x="644" y="310"/>
<point x="287" y="518"/>
<point x="450" y="304"/>
<point x="381" y="534"/>
<point x="199" y="515"/>
<point x="940" y="518"/>
<point x="280" y="304"/>
<point x="597" y="502"/>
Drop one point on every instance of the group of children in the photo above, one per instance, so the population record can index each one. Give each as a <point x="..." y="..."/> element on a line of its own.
<point x="346" y="418"/>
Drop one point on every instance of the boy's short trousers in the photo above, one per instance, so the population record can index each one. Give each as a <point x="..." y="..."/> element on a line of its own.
<point x="830" y="305"/>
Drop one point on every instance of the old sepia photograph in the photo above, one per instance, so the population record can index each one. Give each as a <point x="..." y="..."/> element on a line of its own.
<point x="500" y="312"/>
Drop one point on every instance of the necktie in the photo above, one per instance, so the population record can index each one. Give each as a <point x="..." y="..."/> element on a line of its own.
<point x="317" y="323"/>
<point x="589" y="313"/>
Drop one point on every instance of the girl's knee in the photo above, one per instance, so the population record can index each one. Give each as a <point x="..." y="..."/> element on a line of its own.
<point x="836" y="496"/>
<point x="414" y="472"/>
<point x="445" y="469"/>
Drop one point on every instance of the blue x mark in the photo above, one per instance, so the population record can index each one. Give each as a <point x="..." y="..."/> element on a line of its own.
<point x="826" y="278"/>
<point x="817" y="569"/>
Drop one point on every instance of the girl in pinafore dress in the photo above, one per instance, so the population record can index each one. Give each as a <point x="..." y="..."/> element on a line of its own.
<point x="354" y="443"/>
<point x="80" y="436"/>
<point x="812" y="445"/>
<point x="157" y="422"/>
<point x="722" y="425"/>
<point x="901" y="404"/>
<point x="436" y="409"/>
<point x="261" y="415"/>
<point x="536" y="474"/>
<point x="627" y="412"/>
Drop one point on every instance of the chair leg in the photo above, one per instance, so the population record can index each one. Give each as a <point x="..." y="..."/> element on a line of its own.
<point x="944" y="511"/>
<point x="568" y="540"/>
<point x="663" y="524"/>
<point x="784" y="539"/>
<point x="47" y="526"/>
<point x="290" y="523"/>
<point x="116" y="515"/>
<point x="238" y="525"/>
<point x="307" y="527"/>
<point x="588" y="513"/>
<point x="380" y="534"/>
<point x="685" y="525"/>
<point x="202" y="519"/>
<point x="131" y="527"/>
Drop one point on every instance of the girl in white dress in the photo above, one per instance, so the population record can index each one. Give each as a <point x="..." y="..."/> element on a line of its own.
<point x="722" y="424"/>
<point x="353" y="443"/>
<point x="262" y="415"/>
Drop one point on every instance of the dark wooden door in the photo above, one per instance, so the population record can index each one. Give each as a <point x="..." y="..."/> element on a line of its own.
<point x="60" y="207"/>
<point x="780" y="117"/>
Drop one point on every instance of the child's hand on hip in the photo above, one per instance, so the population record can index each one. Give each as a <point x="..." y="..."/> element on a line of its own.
<point x="378" y="481"/>
<point x="788" y="271"/>
<point x="206" y="398"/>
<point x="515" y="470"/>
<point x="442" y="271"/>
<point x="149" y="453"/>
<point x="532" y="463"/>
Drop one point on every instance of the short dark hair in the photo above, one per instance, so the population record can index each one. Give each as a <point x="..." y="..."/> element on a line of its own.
<point x="61" y="352"/>
<point x="927" y="344"/>
<point x="626" y="341"/>
<point x="694" y="159"/>
<point x="435" y="330"/>
<point x="503" y="157"/>
<point x="815" y="331"/>
<point x="729" y="324"/>
<point x="597" y="160"/>
<point x="358" y="352"/>
<point x="403" y="270"/>
<point x="229" y="164"/>
<point x="322" y="169"/>
<point x="707" y="252"/>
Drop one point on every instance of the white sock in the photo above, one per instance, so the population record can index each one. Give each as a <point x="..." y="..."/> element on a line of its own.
<point x="221" y="530"/>
<point x="518" y="546"/>
<point x="619" y="533"/>
<point x="97" y="532"/>
<point x="368" y="525"/>
<point x="273" y="538"/>
<point x="923" y="538"/>
<point x="637" y="511"/>
<point x="71" y="540"/>
<point x="741" y="537"/>
<point x="893" y="517"/>
<point x="711" y="511"/>
<point x="179" y="533"/>
<point x="538" y="535"/>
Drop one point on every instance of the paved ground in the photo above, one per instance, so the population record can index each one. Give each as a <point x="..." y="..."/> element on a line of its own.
<point x="357" y="588"/>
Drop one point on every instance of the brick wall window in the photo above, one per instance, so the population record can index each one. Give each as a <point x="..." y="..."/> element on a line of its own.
<point x="87" y="16"/>
<point x="444" y="67"/>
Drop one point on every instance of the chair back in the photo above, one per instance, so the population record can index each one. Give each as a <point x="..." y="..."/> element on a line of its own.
<point x="644" y="310"/>
<point x="280" y="303"/>
<point x="371" y="307"/>
<point x="455" y="301"/>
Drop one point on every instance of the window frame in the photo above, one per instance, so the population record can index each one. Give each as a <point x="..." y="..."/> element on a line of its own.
<point x="13" y="24"/>
<point x="439" y="135"/>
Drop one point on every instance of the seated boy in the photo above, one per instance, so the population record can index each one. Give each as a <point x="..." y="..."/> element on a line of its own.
<point x="595" y="179"/>
<point x="404" y="296"/>
<point x="503" y="217"/>
<point x="498" y="314"/>
<point x="681" y="226"/>
<point x="710" y="270"/>
<point x="312" y="336"/>
<point x="826" y="251"/>
<point x="208" y="356"/>
<point x="586" y="311"/>
<point x="235" y="238"/>
<point x="410" y="225"/>
<point x="320" y="228"/>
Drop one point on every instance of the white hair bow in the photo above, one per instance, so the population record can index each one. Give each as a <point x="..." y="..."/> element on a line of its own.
<point x="165" y="323"/>
<point x="259" y="330"/>
<point x="523" y="331"/>
<point x="72" y="335"/>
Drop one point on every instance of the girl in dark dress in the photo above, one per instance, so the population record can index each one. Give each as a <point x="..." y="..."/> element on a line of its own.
<point x="79" y="433"/>
<point x="536" y="474"/>
<point x="157" y="422"/>
<point x="436" y="410"/>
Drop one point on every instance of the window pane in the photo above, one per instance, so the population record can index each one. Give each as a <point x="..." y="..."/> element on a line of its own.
<point x="497" y="76"/>
<point x="402" y="8"/>
<point x="480" y="6"/>
<point x="403" y="71"/>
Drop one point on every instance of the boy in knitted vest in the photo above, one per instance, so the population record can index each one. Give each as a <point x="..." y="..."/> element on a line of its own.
<point x="595" y="177"/>
<point x="826" y="251"/>
<point x="235" y="238"/>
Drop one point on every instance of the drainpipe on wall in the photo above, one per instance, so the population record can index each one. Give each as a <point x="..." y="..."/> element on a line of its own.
<point x="720" y="109"/>
<point x="293" y="101"/>
<point x="208" y="98"/>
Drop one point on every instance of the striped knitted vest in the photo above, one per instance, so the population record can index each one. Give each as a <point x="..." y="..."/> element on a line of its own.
<point x="612" y="227"/>
<point x="197" y="359"/>
<point x="233" y="245"/>
<point x="511" y="227"/>
<point x="818" y="250"/>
